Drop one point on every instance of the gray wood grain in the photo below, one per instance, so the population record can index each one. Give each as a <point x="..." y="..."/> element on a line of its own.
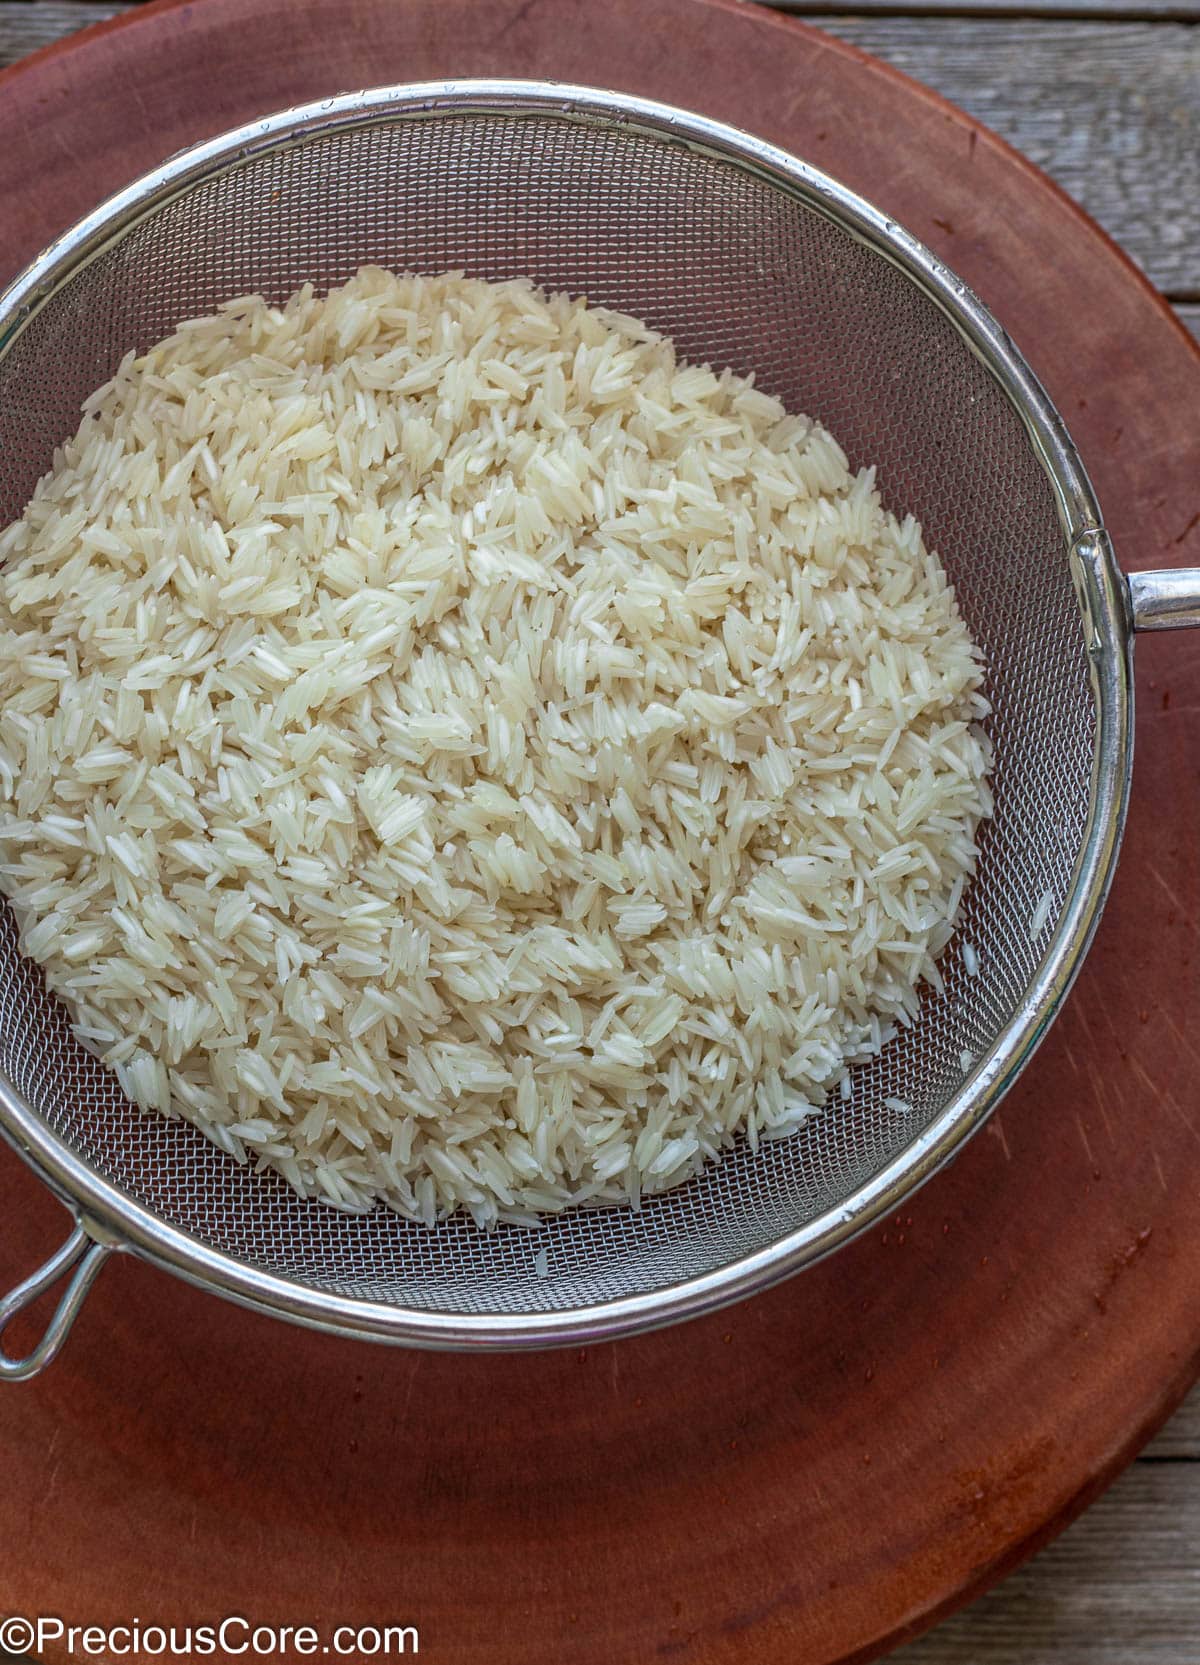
<point x="1180" y="1441"/>
<point x="1107" y="10"/>
<point x="1128" y="11"/>
<point x="26" y="25"/>
<point x="1191" y="316"/>
<point x="1110" y="109"/>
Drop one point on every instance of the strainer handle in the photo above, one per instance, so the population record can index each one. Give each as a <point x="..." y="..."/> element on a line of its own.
<point x="1165" y="600"/>
<point x="80" y="1251"/>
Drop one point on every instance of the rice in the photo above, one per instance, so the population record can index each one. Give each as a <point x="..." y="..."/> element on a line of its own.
<point x="460" y="756"/>
<point x="1041" y="914"/>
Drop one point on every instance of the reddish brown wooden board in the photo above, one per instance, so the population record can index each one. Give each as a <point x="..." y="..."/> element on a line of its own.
<point x="821" y="1471"/>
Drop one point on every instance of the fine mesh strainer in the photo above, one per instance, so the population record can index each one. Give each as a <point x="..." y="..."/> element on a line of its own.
<point x="747" y="258"/>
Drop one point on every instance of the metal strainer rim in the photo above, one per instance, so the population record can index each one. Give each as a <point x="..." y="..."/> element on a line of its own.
<point x="112" y="1217"/>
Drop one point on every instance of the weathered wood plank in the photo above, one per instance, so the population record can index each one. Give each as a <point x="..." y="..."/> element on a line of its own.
<point x="1113" y="11"/>
<point x="26" y="25"/>
<point x="1121" y="1587"/>
<point x="1180" y="1439"/>
<point x="1108" y="10"/>
<point x="1111" y="110"/>
<point x="1191" y="317"/>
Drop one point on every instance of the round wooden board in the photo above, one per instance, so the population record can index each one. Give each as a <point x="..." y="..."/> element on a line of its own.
<point x="822" y="1471"/>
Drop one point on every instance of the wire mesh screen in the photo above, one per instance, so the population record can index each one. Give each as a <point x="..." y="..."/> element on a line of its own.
<point x="741" y="275"/>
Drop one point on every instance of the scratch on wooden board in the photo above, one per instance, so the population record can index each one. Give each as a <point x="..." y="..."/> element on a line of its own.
<point x="1160" y="880"/>
<point x="510" y="23"/>
<point x="408" y="1391"/>
<point x="1100" y="1090"/>
<point x="1141" y="1070"/>
<point x="135" y="94"/>
<point x="1086" y="1147"/>
<point x="996" y="1128"/>
<point x="1162" y="1178"/>
<point x="1082" y="1019"/>
<point x="1190" y="527"/>
<point x="1180" y="1035"/>
<point x="51" y="1483"/>
<point x="820" y="47"/>
<point x="1169" y="1099"/>
<point x="37" y="133"/>
<point x="1097" y="1077"/>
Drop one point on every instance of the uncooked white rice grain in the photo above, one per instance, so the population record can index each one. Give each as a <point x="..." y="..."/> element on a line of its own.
<point x="459" y="756"/>
<point x="1041" y="915"/>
